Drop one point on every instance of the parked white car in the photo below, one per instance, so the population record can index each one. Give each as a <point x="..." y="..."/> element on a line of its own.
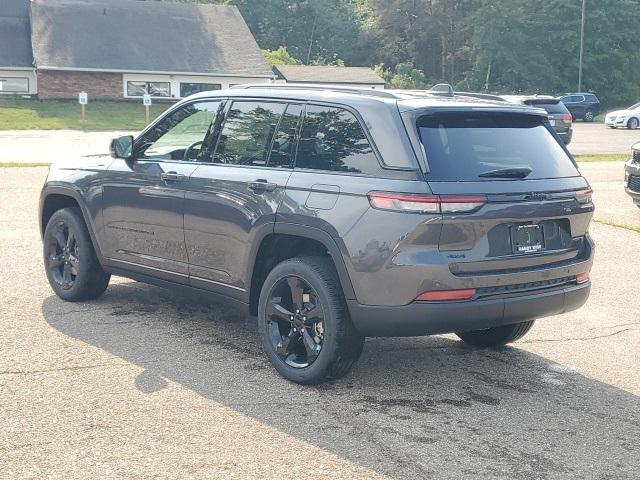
<point x="629" y="118"/>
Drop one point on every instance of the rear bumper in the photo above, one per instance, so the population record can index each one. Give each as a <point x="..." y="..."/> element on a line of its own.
<point x="429" y="318"/>
<point x="566" y="136"/>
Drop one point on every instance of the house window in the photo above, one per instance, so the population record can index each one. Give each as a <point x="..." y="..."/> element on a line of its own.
<point x="187" y="89"/>
<point x="14" y="85"/>
<point x="155" y="89"/>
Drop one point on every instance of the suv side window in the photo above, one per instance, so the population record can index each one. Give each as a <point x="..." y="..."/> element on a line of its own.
<point x="181" y="134"/>
<point x="283" y="146"/>
<point x="247" y="133"/>
<point x="332" y="139"/>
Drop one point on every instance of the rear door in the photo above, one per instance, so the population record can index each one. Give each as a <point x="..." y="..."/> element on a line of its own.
<point x="232" y="201"/>
<point x="535" y="204"/>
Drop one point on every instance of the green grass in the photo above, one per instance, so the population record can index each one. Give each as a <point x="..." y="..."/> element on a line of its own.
<point x="29" y="114"/>
<point x="633" y="228"/>
<point x="602" y="157"/>
<point x="21" y="165"/>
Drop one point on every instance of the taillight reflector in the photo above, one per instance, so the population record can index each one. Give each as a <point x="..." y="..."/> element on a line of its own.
<point x="447" y="295"/>
<point x="584" y="196"/>
<point x="408" y="202"/>
<point x="582" y="278"/>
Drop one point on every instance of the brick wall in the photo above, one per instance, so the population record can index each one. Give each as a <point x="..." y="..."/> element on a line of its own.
<point x="54" y="84"/>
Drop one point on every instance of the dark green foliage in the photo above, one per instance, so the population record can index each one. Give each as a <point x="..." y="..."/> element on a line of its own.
<point x="532" y="46"/>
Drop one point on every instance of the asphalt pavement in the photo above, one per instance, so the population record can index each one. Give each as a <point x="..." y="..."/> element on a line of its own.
<point x="148" y="383"/>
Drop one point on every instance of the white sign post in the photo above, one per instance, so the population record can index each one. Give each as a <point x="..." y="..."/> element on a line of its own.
<point x="83" y="99"/>
<point x="146" y="101"/>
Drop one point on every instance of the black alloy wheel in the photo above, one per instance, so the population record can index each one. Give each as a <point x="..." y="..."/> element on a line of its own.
<point x="295" y="321"/>
<point x="62" y="255"/>
<point x="70" y="261"/>
<point x="304" y="323"/>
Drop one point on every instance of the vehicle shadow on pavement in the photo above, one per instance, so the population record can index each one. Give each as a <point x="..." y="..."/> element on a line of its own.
<point x="411" y="408"/>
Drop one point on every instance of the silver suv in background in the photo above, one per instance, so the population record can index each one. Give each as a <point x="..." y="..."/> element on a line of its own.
<point x="332" y="214"/>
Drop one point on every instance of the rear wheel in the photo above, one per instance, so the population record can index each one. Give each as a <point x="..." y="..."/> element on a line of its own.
<point x="632" y="124"/>
<point x="497" y="336"/>
<point x="589" y="116"/>
<point x="304" y="324"/>
<point x="72" y="267"/>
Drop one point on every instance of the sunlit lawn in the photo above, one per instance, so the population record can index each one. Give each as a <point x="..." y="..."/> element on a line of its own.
<point x="29" y="114"/>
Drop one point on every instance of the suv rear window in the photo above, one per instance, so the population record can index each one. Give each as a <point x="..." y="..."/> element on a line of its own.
<point x="462" y="146"/>
<point x="555" y="107"/>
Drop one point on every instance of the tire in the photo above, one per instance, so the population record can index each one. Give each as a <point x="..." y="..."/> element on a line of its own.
<point x="497" y="336"/>
<point x="589" y="116"/>
<point x="68" y="249"/>
<point x="632" y="124"/>
<point x="315" y="280"/>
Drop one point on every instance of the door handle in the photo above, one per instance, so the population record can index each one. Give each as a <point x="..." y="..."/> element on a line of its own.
<point x="172" y="177"/>
<point x="261" y="185"/>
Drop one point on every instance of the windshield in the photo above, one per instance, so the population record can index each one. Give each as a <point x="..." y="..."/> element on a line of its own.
<point x="465" y="146"/>
<point x="634" y="107"/>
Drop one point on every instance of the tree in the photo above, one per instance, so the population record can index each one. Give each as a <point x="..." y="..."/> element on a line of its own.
<point x="403" y="76"/>
<point x="280" y="56"/>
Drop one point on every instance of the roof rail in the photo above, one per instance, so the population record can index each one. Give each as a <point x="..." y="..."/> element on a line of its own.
<point x="320" y="86"/>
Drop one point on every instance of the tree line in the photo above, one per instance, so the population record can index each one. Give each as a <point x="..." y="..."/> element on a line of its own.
<point x="501" y="46"/>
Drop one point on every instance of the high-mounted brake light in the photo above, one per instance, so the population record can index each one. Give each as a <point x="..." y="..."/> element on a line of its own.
<point x="447" y="295"/>
<point x="418" y="203"/>
<point x="584" y="196"/>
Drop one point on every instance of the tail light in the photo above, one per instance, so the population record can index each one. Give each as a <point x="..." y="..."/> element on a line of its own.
<point x="584" y="196"/>
<point x="418" y="203"/>
<point x="582" y="278"/>
<point x="447" y="295"/>
<point x="568" y="118"/>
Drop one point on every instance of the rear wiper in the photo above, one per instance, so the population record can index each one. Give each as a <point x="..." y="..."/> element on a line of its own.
<point x="518" y="172"/>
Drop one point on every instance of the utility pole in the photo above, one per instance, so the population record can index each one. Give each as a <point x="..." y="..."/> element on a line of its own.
<point x="584" y="7"/>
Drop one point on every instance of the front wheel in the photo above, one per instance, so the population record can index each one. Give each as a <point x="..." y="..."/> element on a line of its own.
<point x="70" y="261"/>
<point x="497" y="336"/>
<point x="304" y="324"/>
<point x="632" y="124"/>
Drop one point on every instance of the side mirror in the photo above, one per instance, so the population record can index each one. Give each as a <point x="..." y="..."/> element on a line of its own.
<point x="122" y="147"/>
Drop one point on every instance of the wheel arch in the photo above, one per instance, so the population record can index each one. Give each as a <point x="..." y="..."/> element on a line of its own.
<point x="289" y="241"/>
<point x="54" y="198"/>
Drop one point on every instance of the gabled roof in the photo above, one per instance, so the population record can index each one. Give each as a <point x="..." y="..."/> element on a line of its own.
<point x="328" y="74"/>
<point x="15" y="41"/>
<point x="144" y="36"/>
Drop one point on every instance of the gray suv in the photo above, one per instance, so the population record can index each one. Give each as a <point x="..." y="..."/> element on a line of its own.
<point x="333" y="214"/>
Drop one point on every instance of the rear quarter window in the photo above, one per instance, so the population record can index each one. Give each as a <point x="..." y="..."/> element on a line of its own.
<point x="463" y="146"/>
<point x="332" y="139"/>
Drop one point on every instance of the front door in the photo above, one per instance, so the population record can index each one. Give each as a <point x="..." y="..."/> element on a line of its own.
<point x="143" y="199"/>
<point x="233" y="201"/>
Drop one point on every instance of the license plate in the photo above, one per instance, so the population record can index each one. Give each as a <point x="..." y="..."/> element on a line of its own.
<point x="527" y="238"/>
<point x="552" y="122"/>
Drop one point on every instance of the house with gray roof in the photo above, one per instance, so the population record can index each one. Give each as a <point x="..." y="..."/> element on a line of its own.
<point x="337" y="76"/>
<point x="127" y="48"/>
<point x="17" y="72"/>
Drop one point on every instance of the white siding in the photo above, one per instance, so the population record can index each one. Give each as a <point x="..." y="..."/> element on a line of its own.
<point x="176" y="80"/>
<point x="29" y="76"/>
